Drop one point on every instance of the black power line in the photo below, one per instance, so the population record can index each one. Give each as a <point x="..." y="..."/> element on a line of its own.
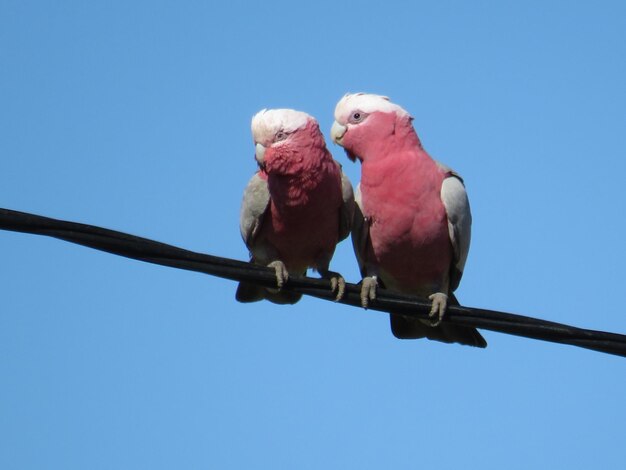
<point x="142" y="249"/>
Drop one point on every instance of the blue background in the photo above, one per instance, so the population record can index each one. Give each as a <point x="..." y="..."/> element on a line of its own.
<point x="135" y="116"/>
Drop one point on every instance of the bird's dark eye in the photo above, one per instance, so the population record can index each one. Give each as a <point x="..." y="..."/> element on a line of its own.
<point x="280" y="135"/>
<point x="357" y="116"/>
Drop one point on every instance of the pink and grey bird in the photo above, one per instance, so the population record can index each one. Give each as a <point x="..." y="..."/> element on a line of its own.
<point x="296" y="207"/>
<point x="413" y="222"/>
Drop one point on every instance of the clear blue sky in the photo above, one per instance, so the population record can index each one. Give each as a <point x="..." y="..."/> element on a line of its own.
<point x="135" y="116"/>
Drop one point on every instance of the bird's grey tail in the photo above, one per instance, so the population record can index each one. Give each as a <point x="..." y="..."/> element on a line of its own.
<point x="248" y="292"/>
<point x="404" y="327"/>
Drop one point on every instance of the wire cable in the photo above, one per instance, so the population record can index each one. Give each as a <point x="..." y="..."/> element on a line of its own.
<point x="150" y="251"/>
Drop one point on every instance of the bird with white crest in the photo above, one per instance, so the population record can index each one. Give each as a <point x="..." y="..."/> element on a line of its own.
<point x="412" y="225"/>
<point x="296" y="207"/>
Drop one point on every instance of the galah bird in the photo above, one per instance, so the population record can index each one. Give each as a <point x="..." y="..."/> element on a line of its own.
<point x="296" y="207"/>
<point x="412" y="223"/>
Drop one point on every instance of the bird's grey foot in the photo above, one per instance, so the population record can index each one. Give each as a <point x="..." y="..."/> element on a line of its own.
<point x="368" y="290"/>
<point x="438" y="308"/>
<point x="337" y="283"/>
<point x="282" y="276"/>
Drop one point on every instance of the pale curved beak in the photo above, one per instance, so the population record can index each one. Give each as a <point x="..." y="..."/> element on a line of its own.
<point x="259" y="154"/>
<point x="337" y="132"/>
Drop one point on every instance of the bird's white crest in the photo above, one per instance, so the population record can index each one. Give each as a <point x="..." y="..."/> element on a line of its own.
<point x="367" y="103"/>
<point x="267" y="122"/>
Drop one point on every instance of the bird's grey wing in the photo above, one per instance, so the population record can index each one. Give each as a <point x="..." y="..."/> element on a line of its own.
<point x="360" y="232"/>
<point x="256" y="198"/>
<point x="346" y="212"/>
<point x="457" y="207"/>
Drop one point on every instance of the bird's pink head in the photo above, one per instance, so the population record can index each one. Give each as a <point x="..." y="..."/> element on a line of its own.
<point x="287" y="141"/>
<point x="368" y="126"/>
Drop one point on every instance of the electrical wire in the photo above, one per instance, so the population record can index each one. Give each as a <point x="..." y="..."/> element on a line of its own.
<point x="150" y="251"/>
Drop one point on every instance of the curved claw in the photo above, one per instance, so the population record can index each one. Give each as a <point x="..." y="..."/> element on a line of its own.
<point x="338" y="285"/>
<point x="282" y="276"/>
<point x="438" y="308"/>
<point x="368" y="290"/>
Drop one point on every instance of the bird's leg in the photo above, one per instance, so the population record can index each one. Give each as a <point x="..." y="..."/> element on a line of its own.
<point x="337" y="282"/>
<point x="282" y="276"/>
<point x="438" y="308"/>
<point x="439" y="302"/>
<point x="368" y="290"/>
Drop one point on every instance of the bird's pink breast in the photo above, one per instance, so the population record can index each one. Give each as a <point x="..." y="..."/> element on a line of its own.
<point x="302" y="223"/>
<point x="408" y="223"/>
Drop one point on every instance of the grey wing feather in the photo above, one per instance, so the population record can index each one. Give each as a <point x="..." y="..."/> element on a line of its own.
<point x="346" y="213"/>
<point x="457" y="207"/>
<point x="360" y="231"/>
<point x="256" y="198"/>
